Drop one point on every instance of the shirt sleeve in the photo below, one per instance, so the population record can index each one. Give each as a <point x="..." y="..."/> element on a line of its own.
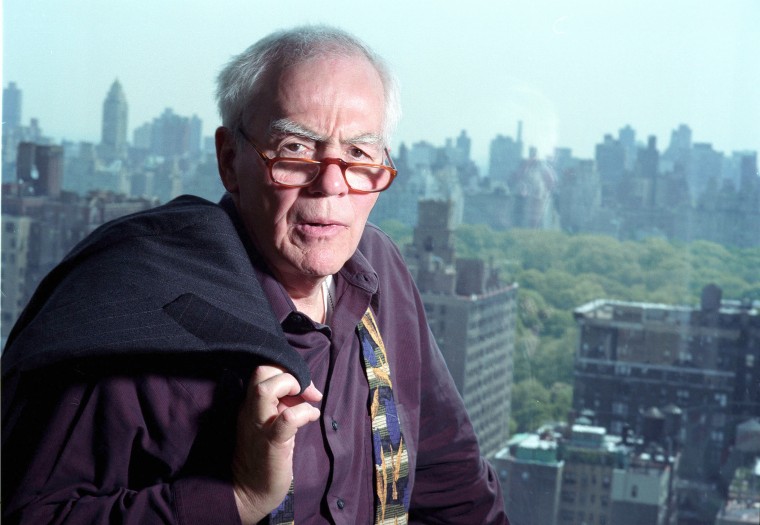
<point x="454" y="484"/>
<point x="121" y="449"/>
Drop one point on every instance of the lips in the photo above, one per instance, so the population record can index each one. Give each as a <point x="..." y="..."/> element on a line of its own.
<point x="320" y="227"/>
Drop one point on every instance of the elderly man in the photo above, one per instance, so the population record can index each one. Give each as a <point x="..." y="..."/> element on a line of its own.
<point x="266" y="358"/>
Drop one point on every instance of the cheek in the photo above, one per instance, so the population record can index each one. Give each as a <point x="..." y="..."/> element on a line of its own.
<point x="263" y="210"/>
<point x="276" y="210"/>
<point x="363" y="205"/>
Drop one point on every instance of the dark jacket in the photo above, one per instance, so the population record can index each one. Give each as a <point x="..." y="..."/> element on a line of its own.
<point x="123" y="378"/>
<point x="187" y="301"/>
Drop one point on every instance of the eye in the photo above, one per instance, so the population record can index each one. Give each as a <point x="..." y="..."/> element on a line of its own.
<point x="293" y="149"/>
<point x="358" y="154"/>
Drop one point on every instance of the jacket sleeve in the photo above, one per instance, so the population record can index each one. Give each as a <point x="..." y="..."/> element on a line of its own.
<point x="120" y="449"/>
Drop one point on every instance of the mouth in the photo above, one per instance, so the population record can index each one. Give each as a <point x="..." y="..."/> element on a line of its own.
<point x="320" y="227"/>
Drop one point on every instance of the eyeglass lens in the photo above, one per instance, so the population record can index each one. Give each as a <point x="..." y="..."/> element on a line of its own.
<point x="298" y="173"/>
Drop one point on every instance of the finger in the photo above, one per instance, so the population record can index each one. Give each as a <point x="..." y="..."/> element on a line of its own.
<point x="311" y="394"/>
<point x="286" y="425"/>
<point x="264" y="372"/>
<point x="268" y="399"/>
<point x="275" y="387"/>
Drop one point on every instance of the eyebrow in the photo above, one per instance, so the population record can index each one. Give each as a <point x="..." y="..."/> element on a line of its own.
<point x="285" y="126"/>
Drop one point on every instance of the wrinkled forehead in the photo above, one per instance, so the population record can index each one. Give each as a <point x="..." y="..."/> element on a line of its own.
<point x="316" y="85"/>
<point x="281" y="74"/>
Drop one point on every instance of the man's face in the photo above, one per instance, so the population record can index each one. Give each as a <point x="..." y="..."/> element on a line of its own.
<point x="327" y="107"/>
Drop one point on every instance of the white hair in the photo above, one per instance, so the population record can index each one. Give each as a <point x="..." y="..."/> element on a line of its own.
<point x="243" y="81"/>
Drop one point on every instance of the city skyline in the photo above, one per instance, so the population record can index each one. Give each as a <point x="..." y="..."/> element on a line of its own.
<point x="570" y="76"/>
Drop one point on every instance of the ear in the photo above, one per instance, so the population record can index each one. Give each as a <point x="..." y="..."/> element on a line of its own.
<point x="226" y="149"/>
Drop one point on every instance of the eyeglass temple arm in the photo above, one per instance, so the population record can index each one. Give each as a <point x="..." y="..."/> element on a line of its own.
<point x="390" y="159"/>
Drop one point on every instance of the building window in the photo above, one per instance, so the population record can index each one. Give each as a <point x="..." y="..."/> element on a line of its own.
<point x="721" y="399"/>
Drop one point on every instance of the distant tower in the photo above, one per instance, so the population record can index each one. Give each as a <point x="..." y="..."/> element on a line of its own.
<point x="610" y="163"/>
<point x="113" y="140"/>
<point x="647" y="163"/>
<point x="627" y="139"/>
<point x="11" y="129"/>
<point x="505" y="156"/>
<point x="39" y="169"/>
<point x="464" y="144"/>
<point x="678" y="152"/>
<point x="11" y="107"/>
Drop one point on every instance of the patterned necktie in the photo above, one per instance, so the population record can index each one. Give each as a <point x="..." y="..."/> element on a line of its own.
<point x="389" y="450"/>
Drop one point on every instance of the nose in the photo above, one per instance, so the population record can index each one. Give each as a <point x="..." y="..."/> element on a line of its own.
<point x="330" y="181"/>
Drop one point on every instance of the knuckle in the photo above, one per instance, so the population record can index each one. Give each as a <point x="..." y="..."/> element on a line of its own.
<point x="263" y="390"/>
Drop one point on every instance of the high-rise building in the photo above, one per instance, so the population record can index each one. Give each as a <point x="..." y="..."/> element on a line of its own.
<point x="12" y="132"/>
<point x="611" y="164"/>
<point x="473" y="317"/>
<point x="705" y="167"/>
<point x="627" y="139"/>
<point x="170" y="135"/>
<point x="15" y="262"/>
<point x="532" y="187"/>
<point x="11" y="107"/>
<point x="698" y="365"/>
<point x="505" y="155"/>
<point x="643" y="190"/>
<point x="39" y="169"/>
<point x="742" y="507"/>
<point x="530" y="471"/>
<point x="578" y="195"/>
<point x="580" y="474"/>
<point x="676" y="156"/>
<point x="113" y="141"/>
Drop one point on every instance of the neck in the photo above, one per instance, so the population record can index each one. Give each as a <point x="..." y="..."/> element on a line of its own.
<point x="309" y="300"/>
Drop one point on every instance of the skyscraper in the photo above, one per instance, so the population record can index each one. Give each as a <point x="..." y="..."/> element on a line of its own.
<point x="505" y="157"/>
<point x="39" y="169"/>
<point x="11" y="107"/>
<point x="634" y="356"/>
<point x="113" y="141"/>
<point x="11" y="129"/>
<point x="473" y="317"/>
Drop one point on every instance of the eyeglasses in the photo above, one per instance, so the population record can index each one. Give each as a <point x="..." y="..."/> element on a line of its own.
<point x="298" y="173"/>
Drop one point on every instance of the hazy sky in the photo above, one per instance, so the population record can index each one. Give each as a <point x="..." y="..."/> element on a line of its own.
<point x="571" y="71"/>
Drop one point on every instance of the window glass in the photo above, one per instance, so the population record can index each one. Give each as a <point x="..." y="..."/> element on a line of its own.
<point x="578" y="193"/>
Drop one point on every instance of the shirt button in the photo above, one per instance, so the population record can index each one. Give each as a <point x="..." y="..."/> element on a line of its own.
<point x="341" y="504"/>
<point x="335" y="425"/>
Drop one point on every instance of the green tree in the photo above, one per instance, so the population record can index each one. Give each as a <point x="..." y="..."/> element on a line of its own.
<point x="530" y="405"/>
<point x="558" y="272"/>
<point x="398" y="231"/>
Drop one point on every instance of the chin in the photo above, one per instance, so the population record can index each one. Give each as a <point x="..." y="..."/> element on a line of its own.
<point x="324" y="267"/>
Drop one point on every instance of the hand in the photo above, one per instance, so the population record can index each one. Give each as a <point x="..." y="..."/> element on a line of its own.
<point x="269" y="418"/>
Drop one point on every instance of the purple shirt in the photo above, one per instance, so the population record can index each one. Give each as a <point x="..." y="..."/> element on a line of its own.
<point x="156" y="448"/>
